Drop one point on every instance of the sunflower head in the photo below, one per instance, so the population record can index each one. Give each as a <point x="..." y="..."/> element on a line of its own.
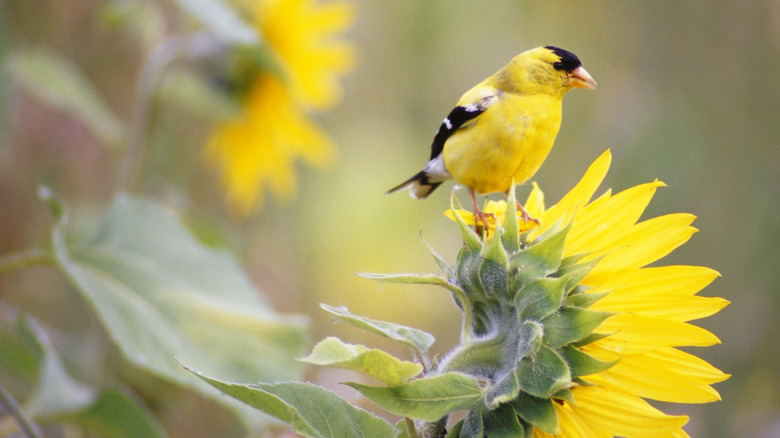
<point x="566" y="328"/>
<point x="528" y="317"/>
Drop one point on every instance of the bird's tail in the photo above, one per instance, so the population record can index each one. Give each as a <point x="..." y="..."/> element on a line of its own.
<point x="419" y="186"/>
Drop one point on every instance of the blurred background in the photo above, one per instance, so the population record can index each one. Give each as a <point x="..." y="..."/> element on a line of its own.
<point x="688" y="93"/>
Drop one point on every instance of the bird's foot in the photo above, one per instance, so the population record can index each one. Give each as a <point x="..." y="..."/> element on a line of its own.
<point x="483" y="217"/>
<point x="525" y="216"/>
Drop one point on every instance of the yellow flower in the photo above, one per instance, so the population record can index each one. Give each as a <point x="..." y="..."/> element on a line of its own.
<point x="260" y="147"/>
<point x="496" y="210"/>
<point x="650" y="310"/>
<point x="303" y="34"/>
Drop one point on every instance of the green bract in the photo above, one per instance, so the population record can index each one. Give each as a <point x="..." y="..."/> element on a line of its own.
<point x="525" y="315"/>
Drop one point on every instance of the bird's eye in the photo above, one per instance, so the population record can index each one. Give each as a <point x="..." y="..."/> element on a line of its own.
<point x="558" y="65"/>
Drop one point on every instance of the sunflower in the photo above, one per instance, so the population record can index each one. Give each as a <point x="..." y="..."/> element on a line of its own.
<point x="260" y="147"/>
<point x="303" y="34"/>
<point x="642" y="314"/>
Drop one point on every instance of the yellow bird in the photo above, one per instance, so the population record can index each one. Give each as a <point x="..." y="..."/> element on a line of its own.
<point x="501" y="130"/>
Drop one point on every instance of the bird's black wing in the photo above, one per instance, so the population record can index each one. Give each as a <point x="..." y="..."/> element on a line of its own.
<point x="457" y="117"/>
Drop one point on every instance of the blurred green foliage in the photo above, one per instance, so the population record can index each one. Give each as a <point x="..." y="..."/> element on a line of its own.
<point x="687" y="94"/>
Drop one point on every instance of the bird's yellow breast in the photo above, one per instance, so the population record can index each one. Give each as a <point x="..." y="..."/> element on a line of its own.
<point x="509" y="141"/>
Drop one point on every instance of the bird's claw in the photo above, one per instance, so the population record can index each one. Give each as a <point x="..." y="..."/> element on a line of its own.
<point x="525" y="216"/>
<point x="482" y="216"/>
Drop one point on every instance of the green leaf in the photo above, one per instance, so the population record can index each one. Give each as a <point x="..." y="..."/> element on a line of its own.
<point x="59" y="83"/>
<point x="575" y="272"/>
<point x="490" y="356"/>
<point x="413" y="279"/>
<point x="502" y="423"/>
<point x="494" y="270"/>
<point x="583" y="299"/>
<point x="538" y="412"/>
<point x="540" y="298"/>
<point x="27" y="356"/>
<point x="467" y="272"/>
<point x="413" y="338"/>
<point x="473" y="426"/>
<point x="114" y="413"/>
<point x="495" y="251"/>
<point x="571" y="324"/>
<point x="313" y="411"/>
<point x="540" y="259"/>
<point x="161" y="295"/>
<point x="493" y="277"/>
<point x="503" y="391"/>
<point x="20" y="353"/>
<point x="445" y="267"/>
<point x="583" y="364"/>
<point x="221" y="19"/>
<point x="544" y="374"/>
<point x="591" y="338"/>
<point x="470" y="238"/>
<point x="426" y="399"/>
<point x="455" y="430"/>
<point x="118" y="414"/>
<point x="566" y="394"/>
<point x="531" y="335"/>
<point x="376" y="363"/>
<point x="56" y="392"/>
<point x="511" y="235"/>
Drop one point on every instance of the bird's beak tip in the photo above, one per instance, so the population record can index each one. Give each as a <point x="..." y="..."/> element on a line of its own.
<point x="580" y="78"/>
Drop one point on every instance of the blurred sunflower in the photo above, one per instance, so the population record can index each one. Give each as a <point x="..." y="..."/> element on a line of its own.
<point x="258" y="148"/>
<point x="303" y="36"/>
<point x="646" y="312"/>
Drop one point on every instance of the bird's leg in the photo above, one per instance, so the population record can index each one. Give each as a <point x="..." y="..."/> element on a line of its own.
<point x="479" y="214"/>
<point x="525" y="216"/>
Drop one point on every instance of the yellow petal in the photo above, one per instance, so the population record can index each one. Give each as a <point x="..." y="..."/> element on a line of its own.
<point x="675" y="360"/>
<point x="648" y="378"/>
<point x="679" y="433"/>
<point x="534" y="205"/>
<point x="596" y="223"/>
<point x="623" y="414"/>
<point x="678" y="279"/>
<point x="570" y="425"/>
<point x="259" y="148"/>
<point x="633" y="334"/>
<point x="578" y="196"/>
<point x="666" y="306"/>
<point x="644" y="243"/>
<point x="332" y="17"/>
<point x="686" y="363"/>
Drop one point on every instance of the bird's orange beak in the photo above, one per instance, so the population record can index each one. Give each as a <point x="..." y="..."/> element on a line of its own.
<point x="580" y="78"/>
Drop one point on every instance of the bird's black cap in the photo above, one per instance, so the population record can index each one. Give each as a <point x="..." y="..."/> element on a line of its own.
<point x="568" y="62"/>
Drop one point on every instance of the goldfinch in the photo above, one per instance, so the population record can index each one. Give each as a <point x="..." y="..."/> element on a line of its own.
<point x="501" y="130"/>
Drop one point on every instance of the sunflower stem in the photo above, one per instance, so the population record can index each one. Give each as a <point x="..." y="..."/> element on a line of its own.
<point x="162" y="56"/>
<point x="410" y="430"/>
<point x="28" y="427"/>
<point x="28" y="257"/>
